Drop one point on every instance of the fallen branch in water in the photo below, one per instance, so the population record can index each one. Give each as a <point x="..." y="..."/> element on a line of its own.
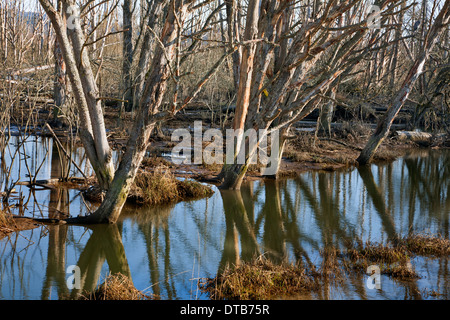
<point x="42" y="220"/>
<point x="64" y="150"/>
<point x="51" y="182"/>
<point x="420" y="137"/>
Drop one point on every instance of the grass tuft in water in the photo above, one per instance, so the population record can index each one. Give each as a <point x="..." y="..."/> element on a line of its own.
<point x="426" y="245"/>
<point x="259" y="279"/>
<point x="157" y="187"/>
<point x="116" y="287"/>
<point x="162" y="187"/>
<point x="262" y="279"/>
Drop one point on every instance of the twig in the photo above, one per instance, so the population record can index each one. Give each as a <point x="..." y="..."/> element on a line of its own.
<point x="64" y="150"/>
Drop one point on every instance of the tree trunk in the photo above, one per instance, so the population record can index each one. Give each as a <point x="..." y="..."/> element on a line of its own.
<point x="233" y="36"/>
<point x="145" y="121"/>
<point x="60" y="92"/>
<point x="416" y="70"/>
<point x="233" y="173"/>
<point x="92" y="127"/>
<point x="326" y="114"/>
<point x="127" y="20"/>
<point x="105" y="168"/>
<point x="246" y="67"/>
<point x="144" y="56"/>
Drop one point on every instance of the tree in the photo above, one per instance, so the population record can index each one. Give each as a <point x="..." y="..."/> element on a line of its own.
<point x="60" y="89"/>
<point x="162" y="70"/>
<point x="384" y="124"/>
<point x="84" y="88"/>
<point x="300" y="80"/>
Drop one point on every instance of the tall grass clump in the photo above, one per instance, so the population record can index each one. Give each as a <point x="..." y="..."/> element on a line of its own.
<point x="116" y="287"/>
<point x="259" y="279"/>
<point x="162" y="187"/>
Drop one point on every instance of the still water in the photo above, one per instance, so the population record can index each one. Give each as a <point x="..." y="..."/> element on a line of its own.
<point x="165" y="250"/>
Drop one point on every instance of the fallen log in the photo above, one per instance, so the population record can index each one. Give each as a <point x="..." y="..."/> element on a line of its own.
<point x="423" y="138"/>
<point x="41" y="220"/>
<point x="415" y="136"/>
<point x="34" y="69"/>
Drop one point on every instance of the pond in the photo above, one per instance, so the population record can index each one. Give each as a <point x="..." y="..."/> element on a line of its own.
<point x="165" y="250"/>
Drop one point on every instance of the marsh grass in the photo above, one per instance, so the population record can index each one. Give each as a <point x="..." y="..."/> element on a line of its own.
<point x="426" y="245"/>
<point x="259" y="279"/>
<point x="393" y="260"/>
<point x="157" y="187"/>
<point x="116" y="287"/>
<point x="162" y="187"/>
<point x="263" y="279"/>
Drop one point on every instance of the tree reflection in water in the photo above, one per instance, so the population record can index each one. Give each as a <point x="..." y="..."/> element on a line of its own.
<point x="166" y="249"/>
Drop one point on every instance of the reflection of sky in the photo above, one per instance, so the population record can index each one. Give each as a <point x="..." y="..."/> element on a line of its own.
<point x="168" y="250"/>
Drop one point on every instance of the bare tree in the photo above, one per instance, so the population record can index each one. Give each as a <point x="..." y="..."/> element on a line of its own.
<point x="295" y="90"/>
<point x="384" y="124"/>
<point x="163" y="68"/>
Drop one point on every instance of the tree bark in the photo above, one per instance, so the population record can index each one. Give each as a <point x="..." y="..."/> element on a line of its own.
<point x="326" y="114"/>
<point x="233" y="173"/>
<point x="105" y="168"/>
<point x="84" y="88"/>
<point x="127" y="50"/>
<point x="233" y="36"/>
<point x="60" y="92"/>
<point x="144" y="55"/>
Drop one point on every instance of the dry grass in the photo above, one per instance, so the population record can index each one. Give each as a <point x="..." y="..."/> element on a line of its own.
<point x="262" y="279"/>
<point x="162" y="187"/>
<point x="375" y="252"/>
<point x="116" y="287"/>
<point x="259" y="279"/>
<point x="393" y="261"/>
<point x="426" y="245"/>
<point x="9" y="224"/>
<point x="5" y="224"/>
<point x="154" y="161"/>
<point x="156" y="187"/>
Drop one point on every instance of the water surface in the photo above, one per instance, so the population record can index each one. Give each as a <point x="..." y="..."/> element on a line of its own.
<point x="165" y="250"/>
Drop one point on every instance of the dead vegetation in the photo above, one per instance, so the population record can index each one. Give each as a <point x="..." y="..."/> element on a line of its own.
<point x="262" y="279"/>
<point x="5" y="223"/>
<point x="426" y="245"/>
<point x="8" y="224"/>
<point x="393" y="261"/>
<point x="116" y="287"/>
<point x="161" y="187"/>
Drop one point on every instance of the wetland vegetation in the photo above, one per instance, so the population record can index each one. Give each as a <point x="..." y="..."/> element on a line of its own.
<point x="91" y="93"/>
